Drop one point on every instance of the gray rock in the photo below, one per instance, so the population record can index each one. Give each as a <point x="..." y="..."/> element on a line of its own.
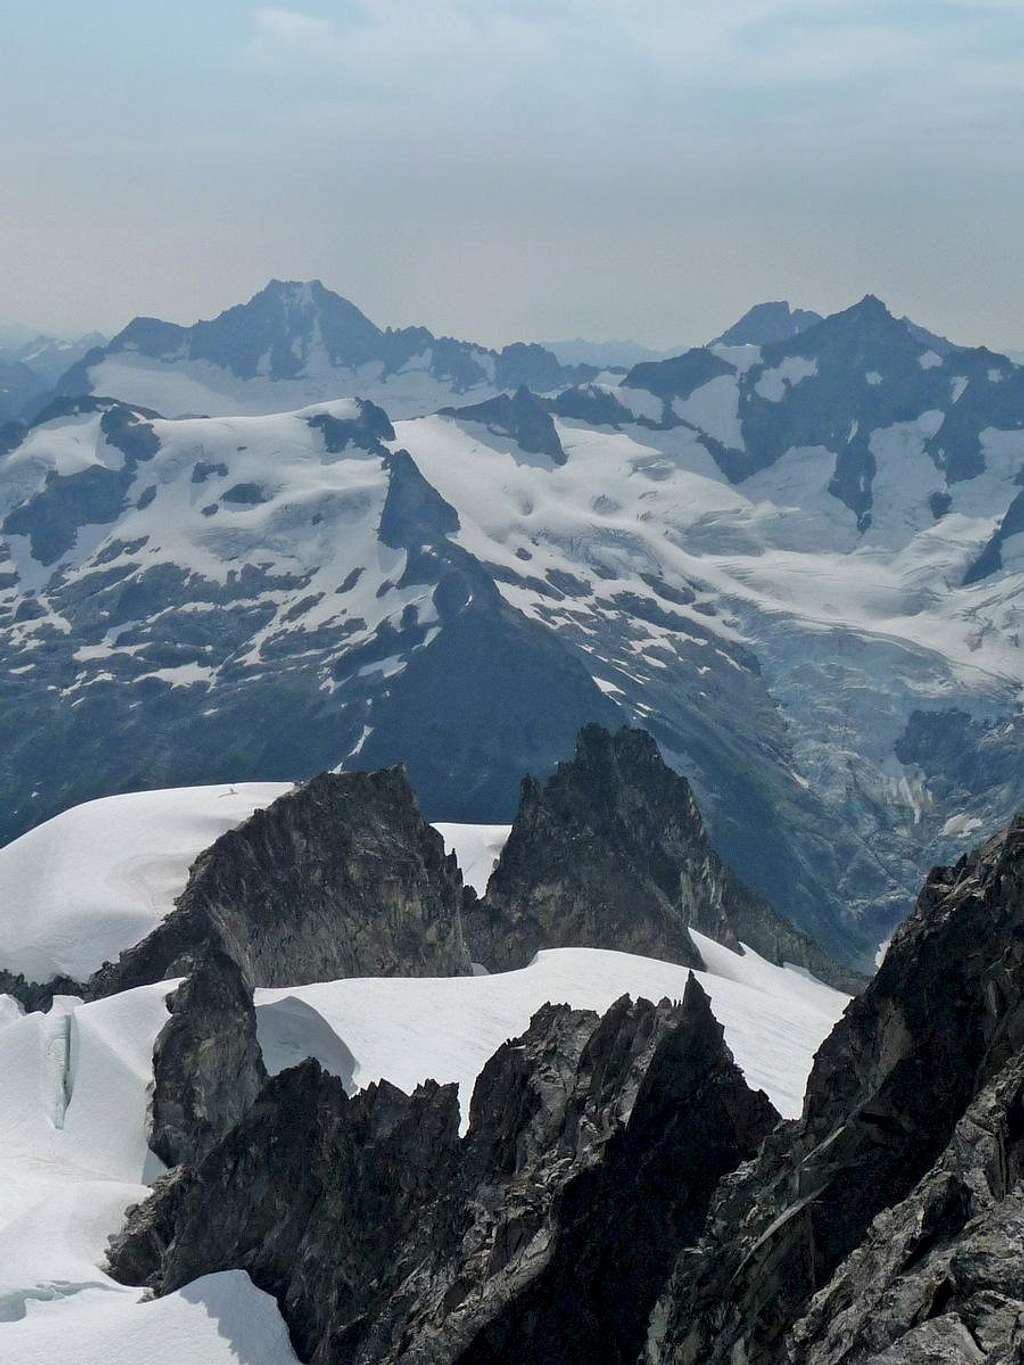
<point x="941" y="1272"/>
<point x="937" y="1024"/>
<point x="207" y="1064"/>
<point x="342" y="877"/>
<point x="545" y="1233"/>
<point x="611" y="852"/>
<point x="520" y="416"/>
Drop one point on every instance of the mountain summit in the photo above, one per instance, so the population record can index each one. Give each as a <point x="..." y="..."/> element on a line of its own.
<point x="296" y="343"/>
<point x="767" y="322"/>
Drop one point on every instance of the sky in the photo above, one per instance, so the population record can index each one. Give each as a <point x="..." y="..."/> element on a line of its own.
<point x="505" y="169"/>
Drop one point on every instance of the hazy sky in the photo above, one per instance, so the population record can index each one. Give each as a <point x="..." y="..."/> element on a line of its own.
<point x="505" y="168"/>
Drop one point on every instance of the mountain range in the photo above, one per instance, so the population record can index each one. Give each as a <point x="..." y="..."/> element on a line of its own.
<point x="796" y="562"/>
<point x="297" y="343"/>
<point x="298" y="1119"/>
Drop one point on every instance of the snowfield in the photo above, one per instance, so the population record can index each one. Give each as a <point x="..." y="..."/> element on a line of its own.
<point x="405" y="1029"/>
<point x="477" y="848"/>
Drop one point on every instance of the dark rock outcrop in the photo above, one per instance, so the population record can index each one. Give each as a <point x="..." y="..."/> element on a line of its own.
<point x="520" y="416"/>
<point x="680" y="376"/>
<point x="207" y="1064"/>
<point x="611" y="852"/>
<point x="939" y="1276"/>
<point x="35" y="995"/>
<point x="592" y="1150"/>
<point x="621" y="1221"/>
<point x="939" y="1022"/>
<point x="342" y="877"/>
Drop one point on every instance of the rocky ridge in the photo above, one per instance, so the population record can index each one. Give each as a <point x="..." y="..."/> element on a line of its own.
<point x="296" y="342"/>
<point x="593" y="1147"/>
<point x="942" y="1021"/>
<point x="342" y="877"/>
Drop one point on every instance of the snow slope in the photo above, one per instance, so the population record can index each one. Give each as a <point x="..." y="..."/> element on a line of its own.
<point x="78" y="889"/>
<point x="477" y="848"/>
<point x="406" y="1030"/>
<point x="190" y="388"/>
<point x="767" y="568"/>
<point x="73" y="1156"/>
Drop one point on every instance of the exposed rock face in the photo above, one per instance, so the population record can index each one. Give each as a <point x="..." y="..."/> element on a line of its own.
<point x="621" y="1221"/>
<point x="938" y="1276"/>
<point x="207" y="1064"/>
<point x="342" y="877"/>
<point x="768" y="322"/>
<point x="593" y="1148"/>
<point x="285" y="335"/>
<point x="942" y="1017"/>
<point x="611" y="852"/>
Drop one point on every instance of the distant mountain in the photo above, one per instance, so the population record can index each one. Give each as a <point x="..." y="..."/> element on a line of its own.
<point x="294" y="344"/>
<point x="50" y="356"/>
<point x="15" y="334"/>
<point x="605" y="355"/>
<point x="159" y="547"/>
<point x="19" y="386"/>
<point x="833" y="386"/>
<point x="766" y="323"/>
<point x="30" y="364"/>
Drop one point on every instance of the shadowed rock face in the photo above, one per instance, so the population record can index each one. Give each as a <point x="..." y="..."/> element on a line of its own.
<point x="207" y="1063"/>
<point x="939" y="1276"/>
<point x="521" y="416"/>
<point x="342" y="877"/>
<point x="939" y="1023"/>
<point x="611" y="852"/>
<point x="593" y="1148"/>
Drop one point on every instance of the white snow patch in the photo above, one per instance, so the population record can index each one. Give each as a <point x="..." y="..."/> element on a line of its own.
<point x="959" y="826"/>
<point x="743" y="358"/>
<point x="929" y="360"/>
<point x="477" y="848"/>
<point x="715" y="408"/>
<point x="776" y="383"/>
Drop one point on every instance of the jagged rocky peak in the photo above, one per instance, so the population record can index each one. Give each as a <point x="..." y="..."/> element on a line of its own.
<point x="342" y="877"/>
<point x="283" y="343"/>
<point x="545" y="1233"/>
<point x="611" y="852"/>
<point x="889" y="1104"/>
<point x="272" y="333"/>
<point x="864" y="331"/>
<point x="768" y="322"/>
